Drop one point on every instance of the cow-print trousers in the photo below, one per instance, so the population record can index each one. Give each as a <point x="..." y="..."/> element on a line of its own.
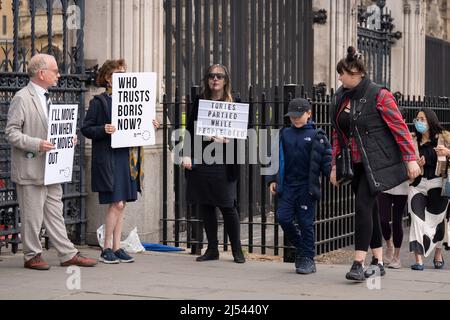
<point x="428" y="210"/>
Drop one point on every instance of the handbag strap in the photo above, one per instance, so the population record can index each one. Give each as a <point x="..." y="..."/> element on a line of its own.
<point x="335" y="104"/>
<point x="357" y="106"/>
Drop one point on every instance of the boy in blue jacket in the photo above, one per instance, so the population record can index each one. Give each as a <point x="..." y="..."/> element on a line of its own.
<point x="304" y="153"/>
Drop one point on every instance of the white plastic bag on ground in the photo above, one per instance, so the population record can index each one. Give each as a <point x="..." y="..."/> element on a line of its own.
<point x="132" y="244"/>
<point x="101" y="236"/>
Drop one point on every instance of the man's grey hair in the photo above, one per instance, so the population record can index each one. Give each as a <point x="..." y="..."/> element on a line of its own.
<point x="37" y="63"/>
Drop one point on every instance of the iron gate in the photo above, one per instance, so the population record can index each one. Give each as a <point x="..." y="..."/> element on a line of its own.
<point x="254" y="39"/>
<point x="54" y="27"/>
<point x="264" y="43"/>
<point x="376" y="37"/>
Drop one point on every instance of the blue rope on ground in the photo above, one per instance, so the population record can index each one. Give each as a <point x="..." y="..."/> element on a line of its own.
<point x="159" y="247"/>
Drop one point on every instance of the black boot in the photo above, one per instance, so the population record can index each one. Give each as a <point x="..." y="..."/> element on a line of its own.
<point x="210" y="254"/>
<point x="238" y="255"/>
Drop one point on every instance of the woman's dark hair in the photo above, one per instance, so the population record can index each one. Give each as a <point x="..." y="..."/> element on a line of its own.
<point x="227" y="96"/>
<point x="403" y="112"/>
<point x="352" y="61"/>
<point x="434" y="126"/>
<point x="107" y="69"/>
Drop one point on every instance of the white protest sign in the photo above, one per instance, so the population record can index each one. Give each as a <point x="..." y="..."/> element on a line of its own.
<point x="61" y="132"/>
<point x="225" y="119"/>
<point x="133" y="109"/>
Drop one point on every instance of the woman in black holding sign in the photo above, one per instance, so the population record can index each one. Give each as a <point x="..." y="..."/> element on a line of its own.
<point x="116" y="174"/>
<point x="213" y="185"/>
<point x="367" y="122"/>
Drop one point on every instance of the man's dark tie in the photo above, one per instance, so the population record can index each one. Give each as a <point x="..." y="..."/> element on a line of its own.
<point x="48" y="102"/>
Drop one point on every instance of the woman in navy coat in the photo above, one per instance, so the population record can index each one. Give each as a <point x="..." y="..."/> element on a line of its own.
<point x="117" y="174"/>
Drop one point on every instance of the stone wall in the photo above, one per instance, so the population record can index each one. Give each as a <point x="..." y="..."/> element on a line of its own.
<point x="133" y="30"/>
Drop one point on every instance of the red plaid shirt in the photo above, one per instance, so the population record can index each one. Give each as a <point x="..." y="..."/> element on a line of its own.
<point x="388" y="109"/>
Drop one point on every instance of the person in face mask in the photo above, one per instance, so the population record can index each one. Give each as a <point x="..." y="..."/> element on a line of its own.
<point x="426" y="205"/>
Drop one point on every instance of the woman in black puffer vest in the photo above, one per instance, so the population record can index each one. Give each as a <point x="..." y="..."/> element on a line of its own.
<point x="366" y="120"/>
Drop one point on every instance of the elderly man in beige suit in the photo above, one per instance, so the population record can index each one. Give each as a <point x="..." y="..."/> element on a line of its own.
<point x="26" y="131"/>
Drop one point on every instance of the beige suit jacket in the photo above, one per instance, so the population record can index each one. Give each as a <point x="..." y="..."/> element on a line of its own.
<point x="26" y="126"/>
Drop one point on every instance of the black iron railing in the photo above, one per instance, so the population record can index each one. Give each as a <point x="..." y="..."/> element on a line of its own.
<point x="437" y="67"/>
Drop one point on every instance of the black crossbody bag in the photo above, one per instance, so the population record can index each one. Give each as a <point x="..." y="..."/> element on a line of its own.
<point x="344" y="165"/>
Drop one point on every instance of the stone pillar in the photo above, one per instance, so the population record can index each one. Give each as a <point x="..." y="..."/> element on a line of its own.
<point x="408" y="54"/>
<point x="414" y="47"/>
<point x="132" y="30"/>
<point x="396" y="8"/>
<point x="333" y="38"/>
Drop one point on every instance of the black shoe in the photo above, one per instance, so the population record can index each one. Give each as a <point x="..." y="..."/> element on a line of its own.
<point x="305" y="265"/>
<point x="238" y="256"/>
<point x="356" y="272"/>
<point x="375" y="269"/>
<point x="210" y="254"/>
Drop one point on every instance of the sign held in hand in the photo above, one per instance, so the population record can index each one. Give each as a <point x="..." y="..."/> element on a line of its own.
<point x="222" y="119"/>
<point x="133" y="109"/>
<point x="61" y="133"/>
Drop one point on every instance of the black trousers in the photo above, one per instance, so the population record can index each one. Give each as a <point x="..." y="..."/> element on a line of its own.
<point x="367" y="217"/>
<point x="231" y="221"/>
<point x="392" y="205"/>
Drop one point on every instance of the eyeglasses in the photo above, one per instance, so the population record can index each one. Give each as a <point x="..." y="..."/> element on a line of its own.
<point x="55" y="71"/>
<point x="219" y="76"/>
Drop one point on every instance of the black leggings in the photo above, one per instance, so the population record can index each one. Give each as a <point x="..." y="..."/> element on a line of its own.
<point x="367" y="218"/>
<point x="394" y="204"/>
<point x="231" y="222"/>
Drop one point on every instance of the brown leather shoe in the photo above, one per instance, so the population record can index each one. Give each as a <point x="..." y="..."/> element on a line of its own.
<point x="79" y="260"/>
<point x="37" y="263"/>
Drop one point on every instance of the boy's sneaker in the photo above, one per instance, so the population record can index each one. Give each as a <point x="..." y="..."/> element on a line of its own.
<point x="123" y="256"/>
<point x="305" y="265"/>
<point x="109" y="257"/>
<point x="356" y="272"/>
<point x="375" y="269"/>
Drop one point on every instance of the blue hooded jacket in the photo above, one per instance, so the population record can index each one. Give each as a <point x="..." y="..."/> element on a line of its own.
<point x="319" y="161"/>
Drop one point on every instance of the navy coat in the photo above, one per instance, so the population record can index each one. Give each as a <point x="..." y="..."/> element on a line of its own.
<point x="102" y="169"/>
<point x="320" y="162"/>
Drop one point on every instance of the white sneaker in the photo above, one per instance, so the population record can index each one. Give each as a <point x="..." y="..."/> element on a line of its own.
<point x="395" y="264"/>
<point x="389" y="255"/>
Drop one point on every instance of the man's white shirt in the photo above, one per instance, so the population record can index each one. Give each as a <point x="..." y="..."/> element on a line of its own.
<point x="41" y="94"/>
